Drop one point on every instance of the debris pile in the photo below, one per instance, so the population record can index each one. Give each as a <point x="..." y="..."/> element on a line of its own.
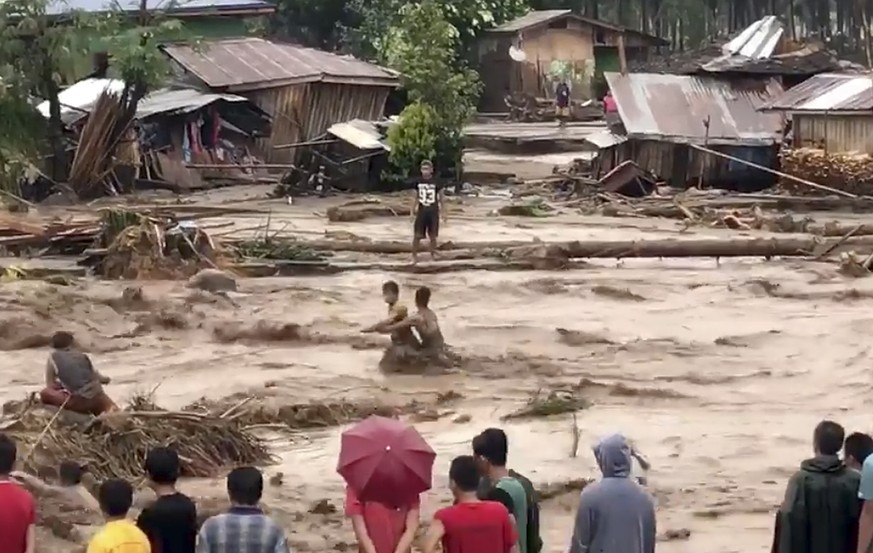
<point x="850" y="172"/>
<point x="555" y="402"/>
<point x="115" y="445"/>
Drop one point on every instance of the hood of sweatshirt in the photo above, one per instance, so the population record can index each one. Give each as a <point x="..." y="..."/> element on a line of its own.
<point x="613" y="455"/>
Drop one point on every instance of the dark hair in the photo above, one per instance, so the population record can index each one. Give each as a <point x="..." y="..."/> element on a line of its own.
<point x="391" y="286"/>
<point x="245" y="485"/>
<point x="859" y="446"/>
<point x="8" y="453"/>
<point x="115" y="497"/>
<point x="828" y="437"/>
<point x="464" y="474"/>
<point x="70" y="473"/>
<point x="422" y="296"/>
<point x="162" y="465"/>
<point x="492" y="445"/>
<point x="62" y="339"/>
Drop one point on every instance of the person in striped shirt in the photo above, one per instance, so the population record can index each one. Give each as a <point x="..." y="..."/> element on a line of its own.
<point x="244" y="528"/>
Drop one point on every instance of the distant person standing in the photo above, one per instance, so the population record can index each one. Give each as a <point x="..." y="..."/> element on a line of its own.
<point x="470" y="525"/>
<point x="426" y="210"/>
<point x="616" y="513"/>
<point x="820" y="511"/>
<point x="17" y="508"/>
<point x="562" y="101"/>
<point x="609" y="104"/>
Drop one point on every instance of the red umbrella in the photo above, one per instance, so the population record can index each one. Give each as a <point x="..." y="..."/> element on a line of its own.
<point x="385" y="460"/>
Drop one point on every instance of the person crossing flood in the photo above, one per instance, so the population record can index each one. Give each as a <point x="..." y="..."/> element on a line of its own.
<point x="430" y="349"/>
<point x="71" y="380"/>
<point x="403" y="337"/>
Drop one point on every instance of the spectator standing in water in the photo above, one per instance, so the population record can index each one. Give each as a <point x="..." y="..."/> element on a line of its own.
<point x="170" y="522"/>
<point x="820" y="511"/>
<point x="17" y="508"/>
<point x="616" y="513"/>
<point x="470" y="525"/>
<point x="118" y="534"/>
<point x="494" y="440"/>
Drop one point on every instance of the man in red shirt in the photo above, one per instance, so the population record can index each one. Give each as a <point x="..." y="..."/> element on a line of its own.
<point x="17" y="511"/>
<point x="381" y="528"/>
<point x="470" y="525"/>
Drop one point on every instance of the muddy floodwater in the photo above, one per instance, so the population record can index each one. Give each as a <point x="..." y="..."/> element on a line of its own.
<point x="718" y="370"/>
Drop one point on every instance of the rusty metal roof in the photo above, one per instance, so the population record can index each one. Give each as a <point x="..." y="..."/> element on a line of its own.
<point x="674" y="108"/>
<point x="827" y="93"/>
<point x="254" y="63"/>
<point x="542" y="17"/>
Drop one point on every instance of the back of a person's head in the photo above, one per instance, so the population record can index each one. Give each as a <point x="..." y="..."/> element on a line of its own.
<point x="464" y="474"/>
<point x="62" y="340"/>
<point x="8" y="453"/>
<point x="422" y="296"/>
<point x="859" y="446"/>
<point x="115" y="497"/>
<point x="828" y="438"/>
<point x="391" y="286"/>
<point x="162" y="465"/>
<point x="70" y="473"/>
<point x="492" y="445"/>
<point x="245" y="485"/>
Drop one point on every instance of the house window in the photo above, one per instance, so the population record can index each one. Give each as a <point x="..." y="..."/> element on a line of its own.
<point x="599" y="37"/>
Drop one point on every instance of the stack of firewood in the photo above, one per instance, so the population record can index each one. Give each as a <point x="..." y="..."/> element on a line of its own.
<point x="851" y="172"/>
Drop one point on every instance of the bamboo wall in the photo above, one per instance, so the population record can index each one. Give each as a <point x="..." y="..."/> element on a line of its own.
<point x="834" y="133"/>
<point x="305" y="111"/>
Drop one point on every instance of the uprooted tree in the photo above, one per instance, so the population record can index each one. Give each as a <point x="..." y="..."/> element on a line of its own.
<point x="442" y="89"/>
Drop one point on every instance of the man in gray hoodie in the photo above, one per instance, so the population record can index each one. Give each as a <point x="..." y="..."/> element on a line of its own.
<point x="616" y="515"/>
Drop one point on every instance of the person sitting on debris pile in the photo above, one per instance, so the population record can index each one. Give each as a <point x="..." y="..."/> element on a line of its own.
<point x="72" y="382"/>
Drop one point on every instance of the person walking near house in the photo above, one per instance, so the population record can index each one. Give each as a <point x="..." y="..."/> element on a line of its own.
<point x="562" y="102"/>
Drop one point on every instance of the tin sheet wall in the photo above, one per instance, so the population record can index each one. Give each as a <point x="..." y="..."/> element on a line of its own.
<point x="834" y="133"/>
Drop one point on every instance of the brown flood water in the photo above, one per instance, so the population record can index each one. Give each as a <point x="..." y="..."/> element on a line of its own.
<point x="716" y="375"/>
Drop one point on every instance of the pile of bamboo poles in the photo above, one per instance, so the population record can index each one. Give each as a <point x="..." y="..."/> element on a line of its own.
<point x="93" y="163"/>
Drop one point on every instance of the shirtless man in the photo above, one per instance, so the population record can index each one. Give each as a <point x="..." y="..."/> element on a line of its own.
<point x="71" y="489"/>
<point x="426" y="209"/>
<point x="396" y="313"/>
<point x="425" y="322"/>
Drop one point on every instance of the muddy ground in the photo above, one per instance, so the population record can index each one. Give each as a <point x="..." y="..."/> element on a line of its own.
<point x="718" y="370"/>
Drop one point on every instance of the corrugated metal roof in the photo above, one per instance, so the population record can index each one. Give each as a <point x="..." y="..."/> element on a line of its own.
<point x="757" y="41"/>
<point x="828" y="92"/>
<point x="255" y="63"/>
<point x="361" y="134"/>
<point x="674" y="108"/>
<point x="605" y="139"/>
<point x="179" y="8"/>
<point x="531" y="19"/>
<point x="79" y="99"/>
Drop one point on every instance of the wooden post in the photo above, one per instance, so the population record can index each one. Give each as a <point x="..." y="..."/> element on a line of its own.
<point x="622" y="57"/>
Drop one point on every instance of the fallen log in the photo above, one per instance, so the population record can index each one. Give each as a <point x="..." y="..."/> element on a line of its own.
<point x="391" y="248"/>
<point x="703" y="247"/>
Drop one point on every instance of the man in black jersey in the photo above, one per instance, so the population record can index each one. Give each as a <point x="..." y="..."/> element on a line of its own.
<point x="426" y="211"/>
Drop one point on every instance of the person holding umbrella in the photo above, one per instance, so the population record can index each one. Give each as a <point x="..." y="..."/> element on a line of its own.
<point x="386" y="465"/>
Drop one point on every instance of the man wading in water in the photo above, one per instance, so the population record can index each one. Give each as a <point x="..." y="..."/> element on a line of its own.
<point x="426" y="324"/>
<point x="403" y="337"/>
<point x="426" y="210"/>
